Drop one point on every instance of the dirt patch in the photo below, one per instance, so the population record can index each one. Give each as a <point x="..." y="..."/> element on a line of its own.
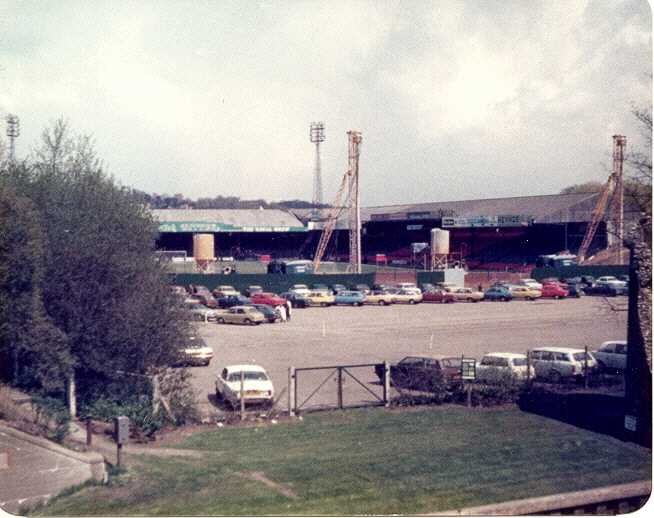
<point x="259" y="476"/>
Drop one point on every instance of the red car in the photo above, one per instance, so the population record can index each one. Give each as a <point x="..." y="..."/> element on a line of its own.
<point x="554" y="291"/>
<point x="270" y="299"/>
<point x="442" y="296"/>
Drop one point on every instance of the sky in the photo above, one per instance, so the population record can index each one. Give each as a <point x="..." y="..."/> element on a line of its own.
<point x="454" y="99"/>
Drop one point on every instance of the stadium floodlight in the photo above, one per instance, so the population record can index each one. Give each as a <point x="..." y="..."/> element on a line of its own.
<point x="13" y="132"/>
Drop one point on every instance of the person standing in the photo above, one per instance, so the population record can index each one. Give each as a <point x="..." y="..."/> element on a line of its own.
<point x="288" y="310"/>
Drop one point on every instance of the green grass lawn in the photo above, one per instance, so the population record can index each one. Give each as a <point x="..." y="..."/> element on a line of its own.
<point x="370" y="461"/>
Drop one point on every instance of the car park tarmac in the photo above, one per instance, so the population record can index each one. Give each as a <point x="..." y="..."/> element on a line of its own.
<point x="343" y="335"/>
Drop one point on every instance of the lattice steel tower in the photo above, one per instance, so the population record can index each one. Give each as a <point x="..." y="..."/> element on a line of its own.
<point x="354" y="140"/>
<point x="13" y="132"/>
<point x="317" y="135"/>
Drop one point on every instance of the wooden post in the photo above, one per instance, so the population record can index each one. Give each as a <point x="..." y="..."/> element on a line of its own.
<point x="387" y="384"/>
<point x="156" y="394"/>
<point x="119" y="450"/>
<point x="585" y="366"/>
<point x="291" y="391"/>
<point x="340" y="387"/>
<point x="89" y="432"/>
<point x="242" y="394"/>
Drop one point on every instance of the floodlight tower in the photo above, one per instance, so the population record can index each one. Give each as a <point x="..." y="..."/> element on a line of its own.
<point x="317" y="135"/>
<point x="13" y="132"/>
<point x="617" y="205"/>
<point x="354" y="140"/>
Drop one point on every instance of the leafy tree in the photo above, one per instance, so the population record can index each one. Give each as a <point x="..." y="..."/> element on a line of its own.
<point x="581" y="188"/>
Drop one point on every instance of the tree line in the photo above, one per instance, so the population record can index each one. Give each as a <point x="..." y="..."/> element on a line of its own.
<point x="179" y="201"/>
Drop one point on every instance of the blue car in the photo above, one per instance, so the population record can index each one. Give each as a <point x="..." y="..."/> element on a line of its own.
<point x="498" y="293"/>
<point x="350" y="298"/>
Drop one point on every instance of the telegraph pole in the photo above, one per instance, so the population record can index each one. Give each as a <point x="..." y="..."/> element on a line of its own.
<point x="13" y="132"/>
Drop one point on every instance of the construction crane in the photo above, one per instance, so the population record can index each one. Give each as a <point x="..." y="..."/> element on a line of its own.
<point x="613" y="190"/>
<point x="350" y="188"/>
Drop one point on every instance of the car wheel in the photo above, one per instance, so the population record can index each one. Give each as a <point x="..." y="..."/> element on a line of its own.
<point x="381" y="303"/>
<point x="219" y="395"/>
<point x="503" y="299"/>
<point x="220" y="320"/>
<point x="555" y="376"/>
<point x="247" y="321"/>
<point x="411" y="301"/>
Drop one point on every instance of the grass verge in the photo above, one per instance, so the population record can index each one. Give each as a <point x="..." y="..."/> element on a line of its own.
<point x="368" y="461"/>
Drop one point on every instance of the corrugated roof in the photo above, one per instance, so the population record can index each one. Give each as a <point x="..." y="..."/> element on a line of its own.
<point x="234" y="217"/>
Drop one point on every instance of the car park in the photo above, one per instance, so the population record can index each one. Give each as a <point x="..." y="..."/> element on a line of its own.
<point x="321" y="298"/>
<point x="612" y="355"/>
<point x="606" y="290"/>
<point x="268" y="312"/>
<point x="524" y="293"/>
<point x="247" y="381"/>
<point x="500" y="293"/>
<point x="423" y="372"/>
<point x="205" y="299"/>
<point x="466" y="294"/>
<point x="195" y="352"/>
<point x="199" y="312"/>
<point x="296" y="299"/>
<point x="494" y="366"/>
<point x="246" y="315"/>
<point x="588" y="280"/>
<point x="232" y="300"/>
<point x="270" y="299"/>
<point x="407" y="296"/>
<point x="438" y="295"/>
<point x="320" y="287"/>
<point x="379" y="297"/>
<point x="553" y="291"/>
<point x="558" y="363"/>
<point x="349" y="298"/>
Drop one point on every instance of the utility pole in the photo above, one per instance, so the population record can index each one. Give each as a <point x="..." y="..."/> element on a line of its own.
<point x="354" y="140"/>
<point x="316" y="136"/>
<point x="13" y="132"/>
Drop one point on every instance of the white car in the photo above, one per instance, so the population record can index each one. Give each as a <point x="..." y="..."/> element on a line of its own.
<point x="226" y="290"/>
<point x="407" y="286"/>
<point x="257" y="386"/>
<point x="557" y="363"/>
<point x="532" y="283"/>
<point x="199" y="312"/>
<point x="195" y="352"/>
<point x="609" y="280"/>
<point x="300" y="289"/>
<point x="612" y="355"/>
<point x="494" y="364"/>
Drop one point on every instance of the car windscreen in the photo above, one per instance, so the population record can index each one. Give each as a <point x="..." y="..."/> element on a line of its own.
<point x="248" y="375"/>
<point x="519" y="362"/>
<point x="580" y="357"/>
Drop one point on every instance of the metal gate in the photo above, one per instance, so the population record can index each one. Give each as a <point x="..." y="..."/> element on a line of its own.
<point x="337" y="386"/>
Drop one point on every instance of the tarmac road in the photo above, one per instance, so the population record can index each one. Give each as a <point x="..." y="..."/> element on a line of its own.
<point x="372" y="334"/>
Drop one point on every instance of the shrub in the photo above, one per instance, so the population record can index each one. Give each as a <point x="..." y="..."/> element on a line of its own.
<point x="497" y="388"/>
<point x="52" y="416"/>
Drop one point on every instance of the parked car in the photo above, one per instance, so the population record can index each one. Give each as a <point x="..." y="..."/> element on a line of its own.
<point x="302" y="289"/>
<point x="268" y="312"/>
<point x="195" y="352"/>
<point x="296" y="299"/>
<point x="270" y="299"/>
<point x="498" y="293"/>
<point x="524" y="293"/>
<point x="406" y="286"/>
<point x="246" y="315"/>
<point x="338" y="287"/>
<point x="553" y="291"/>
<point x="609" y="280"/>
<point x="349" y="298"/>
<point x="606" y="290"/>
<point x="251" y="290"/>
<point x="409" y="296"/>
<point x="588" y="280"/>
<point x="257" y="386"/>
<point x="178" y="290"/>
<point x="321" y="298"/>
<point x="225" y="291"/>
<point x="206" y="299"/>
<point x="438" y="295"/>
<point x="558" y="363"/>
<point x="194" y="289"/>
<point x="494" y="365"/>
<point x="612" y="355"/>
<point x="466" y="294"/>
<point x="531" y="283"/>
<point x="232" y="300"/>
<point x="575" y="290"/>
<point x="199" y="312"/>
<point x="320" y="287"/>
<point x="363" y="288"/>
<point x="379" y="297"/>
<point x="423" y="372"/>
<point x="573" y="280"/>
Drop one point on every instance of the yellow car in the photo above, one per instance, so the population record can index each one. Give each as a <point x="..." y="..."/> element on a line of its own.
<point x="247" y="315"/>
<point x="466" y="294"/>
<point x="524" y="293"/>
<point x="320" y="298"/>
<point x="381" y="298"/>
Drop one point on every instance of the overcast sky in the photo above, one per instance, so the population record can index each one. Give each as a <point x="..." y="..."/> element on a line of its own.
<point x="455" y="99"/>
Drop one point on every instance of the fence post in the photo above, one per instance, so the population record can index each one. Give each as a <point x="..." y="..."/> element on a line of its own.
<point x="585" y="366"/>
<point x="340" y="388"/>
<point x="242" y="394"/>
<point x="387" y="384"/>
<point x="291" y="391"/>
<point x="528" y="368"/>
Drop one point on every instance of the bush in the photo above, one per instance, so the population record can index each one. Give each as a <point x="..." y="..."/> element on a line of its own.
<point x="139" y="410"/>
<point x="52" y="416"/>
<point x="497" y="388"/>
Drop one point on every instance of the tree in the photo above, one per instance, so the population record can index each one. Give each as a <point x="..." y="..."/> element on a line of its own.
<point x="582" y="188"/>
<point x="104" y="292"/>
